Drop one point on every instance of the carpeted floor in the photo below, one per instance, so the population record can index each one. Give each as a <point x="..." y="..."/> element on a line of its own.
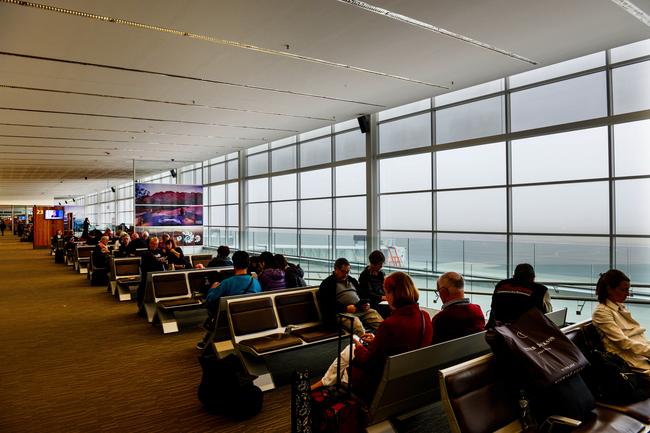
<point x="75" y="360"/>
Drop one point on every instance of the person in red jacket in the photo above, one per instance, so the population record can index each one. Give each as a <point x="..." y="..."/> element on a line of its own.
<point x="407" y="328"/>
<point x="458" y="316"/>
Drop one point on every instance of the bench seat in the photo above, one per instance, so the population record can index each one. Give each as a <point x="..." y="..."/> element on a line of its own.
<point x="477" y="401"/>
<point x="315" y="333"/>
<point x="179" y="304"/>
<point x="270" y="343"/>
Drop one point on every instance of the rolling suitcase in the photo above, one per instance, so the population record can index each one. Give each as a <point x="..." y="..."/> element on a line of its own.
<point x="333" y="409"/>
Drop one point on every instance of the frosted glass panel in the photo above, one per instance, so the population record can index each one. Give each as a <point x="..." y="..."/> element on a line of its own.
<point x="477" y="119"/>
<point x="350" y="145"/>
<point x="570" y="155"/>
<point x="405" y="211"/>
<point x="351" y="213"/>
<point x="233" y="192"/>
<point x="351" y="179"/>
<point x="487" y="162"/>
<point x="284" y="187"/>
<point x="632" y="148"/>
<point x="633" y="207"/>
<point x="413" y="107"/>
<point x="258" y="214"/>
<point x="258" y="164"/>
<point x="630" y="51"/>
<point x="258" y="189"/>
<point x="284" y="214"/>
<point x="233" y="215"/>
<point x="217" y="173"/>
<point x="316" y="213"/>
<point x="218" y="216"/>
<point x="218" y="194"/>
<point x="469" y="92"/>
<point x="559" y="69"/>
<point x="233" y="169"/>
<point x="406" y="173"/>
<point x="283" y="159"/>
<point x="316" y="133"/>
<point x="472" y="210"/>
<point x="631" y="86"/>
<point x="316" y="152"/>
<point x="405" y="133"/>
<point x="567" y="101"/>
<point x="316" y="183"/>
<point x="579" y="208"/>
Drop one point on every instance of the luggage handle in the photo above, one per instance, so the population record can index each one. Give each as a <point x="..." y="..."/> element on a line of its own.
<point x="351" y="318"/>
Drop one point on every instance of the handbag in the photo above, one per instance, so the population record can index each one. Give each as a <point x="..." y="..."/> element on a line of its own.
<point x="536" y="349"/>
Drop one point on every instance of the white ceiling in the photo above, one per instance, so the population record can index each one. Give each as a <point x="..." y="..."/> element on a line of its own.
<point x="50" y="141"/>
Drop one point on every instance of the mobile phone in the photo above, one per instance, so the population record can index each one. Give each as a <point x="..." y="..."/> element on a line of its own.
<point x="356" y="338"/>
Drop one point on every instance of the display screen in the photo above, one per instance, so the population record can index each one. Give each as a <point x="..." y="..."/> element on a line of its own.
<point x="53" y="214"/>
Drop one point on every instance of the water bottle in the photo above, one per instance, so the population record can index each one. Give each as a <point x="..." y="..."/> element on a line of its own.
<point x="528" y="423"/>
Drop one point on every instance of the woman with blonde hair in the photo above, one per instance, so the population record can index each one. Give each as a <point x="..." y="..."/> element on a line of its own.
<point x="407" y="328"/>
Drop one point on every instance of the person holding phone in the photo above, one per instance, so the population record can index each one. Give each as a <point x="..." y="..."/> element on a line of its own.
<point x="408" y="328"/>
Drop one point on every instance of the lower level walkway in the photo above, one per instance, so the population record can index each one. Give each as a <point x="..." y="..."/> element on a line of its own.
<point x="72" y="359"/>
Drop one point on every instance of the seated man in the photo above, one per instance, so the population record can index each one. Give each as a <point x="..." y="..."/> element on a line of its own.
<point x="100" y="261"/>
<point x="136" y="243"/>
<point x="222" y="258"/>
<point x="238" y="284"/>
<point x="371" y="282"/>
<point x="458" y="316"/>
<point x="125" y="241"/>
<point x="338" y="294"/>
<point x="152" y="260"/>
<point x="516" y="295"/>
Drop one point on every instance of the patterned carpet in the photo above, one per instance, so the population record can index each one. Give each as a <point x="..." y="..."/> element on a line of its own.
<point x="75" y="360"/>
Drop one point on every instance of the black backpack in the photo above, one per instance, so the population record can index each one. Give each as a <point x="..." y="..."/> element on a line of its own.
<point x="609" y="377"/>
<point x="227" y="389"/>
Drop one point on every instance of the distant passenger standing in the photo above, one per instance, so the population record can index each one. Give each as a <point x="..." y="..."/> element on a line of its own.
<point x="86" y="227"/>
<point x="3" y="226"/>
<point x="458" y="316"/>
<point x="516" y="295"/>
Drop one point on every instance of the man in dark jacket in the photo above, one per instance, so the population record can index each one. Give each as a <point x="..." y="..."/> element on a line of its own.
<point x="371" y="282"/>
<point x="458" y="316"/>
<point x="338" y="294"/>
<point x="152" y="260"/>
<point x="516" y="295"/>
<point x="222" y="258"/>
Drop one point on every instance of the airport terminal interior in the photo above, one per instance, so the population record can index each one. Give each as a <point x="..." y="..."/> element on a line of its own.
<point x="451" y="136"/>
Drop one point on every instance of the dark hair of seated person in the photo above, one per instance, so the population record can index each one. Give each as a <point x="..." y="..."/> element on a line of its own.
<point x="223" y="251"/>
<point x="240" y="260"/>
<point x="609" y="281"/>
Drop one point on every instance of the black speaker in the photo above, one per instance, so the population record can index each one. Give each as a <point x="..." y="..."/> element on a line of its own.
<point x="113" y="188"/>
<point x="173" y="172"/>
<point x="364" y="123"/>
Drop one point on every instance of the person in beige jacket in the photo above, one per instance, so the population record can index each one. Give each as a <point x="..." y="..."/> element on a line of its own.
<point x="621" y="334"/>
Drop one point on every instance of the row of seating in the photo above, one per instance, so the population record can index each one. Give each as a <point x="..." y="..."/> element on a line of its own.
<point x="168" y="292"/>
<point x="476" y="401"/>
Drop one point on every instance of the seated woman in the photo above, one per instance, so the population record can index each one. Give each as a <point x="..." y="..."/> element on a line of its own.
<point x="175" y="255"/>
<point x="407" y="328"/>
<point x="621" y="334"/>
